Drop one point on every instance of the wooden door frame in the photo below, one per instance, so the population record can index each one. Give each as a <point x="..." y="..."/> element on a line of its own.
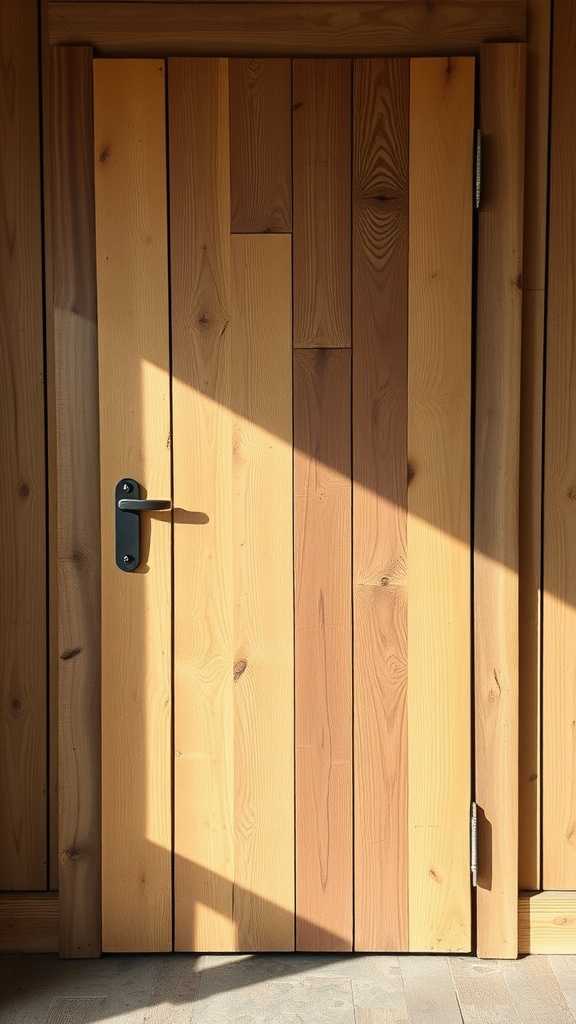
<point x="74" y="386"/>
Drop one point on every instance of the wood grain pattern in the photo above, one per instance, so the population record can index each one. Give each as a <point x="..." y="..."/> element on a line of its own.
<point x="547" y="922"/>
<point x="531" y="434"/>
<point x="23" y="596"/>
<point x="379" y="418"/>
<point x="322" y="141"/>
<point x="497" y="446"/>
<point x="75" y="383"/>
<point x="439" y="422"/>
<point x="263" y="592"/>
<point x="261" y="145"/>
<point x="256" y="29"/>
<point x="323" y="650"/>
<point x="29" y="922"/>
<point x="133" y="351"/>
<point x="559" y="633"/>
<point x="203" y="589"/>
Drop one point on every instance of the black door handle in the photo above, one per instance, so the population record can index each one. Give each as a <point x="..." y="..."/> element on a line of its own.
<point x="127" y="506"/>
<point x="143" y="505"/>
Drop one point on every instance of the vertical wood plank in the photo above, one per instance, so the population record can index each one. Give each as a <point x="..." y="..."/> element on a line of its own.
<point x="322" y="140"/>
<point x="531" y="440"/>
<point x="323" y="653"/>
<point x="75" y="363"/>
<point x="497" y="446"/>
<point x="134" y="387"/>
<point x="260" y="144"/>
<point x="380" y="283"/>
<point x="23" y="687"/>
<point x="439" y="421"/>
<point x="203" y="589"/>
<point x="263" y="592"/>
<point x="559" y="633"/>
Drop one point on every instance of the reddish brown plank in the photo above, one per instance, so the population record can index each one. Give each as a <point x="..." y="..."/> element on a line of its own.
<point x="260" y="145"/>
<point x="75" y="363"/>
<point x="380" y="288"/>
<point x="322" y="139"/>
<point x="23" y="686"/>
<point x="323" y="657"/>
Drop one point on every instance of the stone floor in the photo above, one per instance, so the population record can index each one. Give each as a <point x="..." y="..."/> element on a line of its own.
<point x="295" y="989"/>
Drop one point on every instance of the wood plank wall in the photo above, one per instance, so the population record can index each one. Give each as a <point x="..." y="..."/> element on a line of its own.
<point x="405" y="26"/>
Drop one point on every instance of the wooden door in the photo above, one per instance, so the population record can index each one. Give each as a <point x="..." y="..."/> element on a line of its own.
<point x="284" y="259"/>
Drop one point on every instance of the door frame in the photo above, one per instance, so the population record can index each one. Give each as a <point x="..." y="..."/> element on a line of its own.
<point x="73" y="385"/>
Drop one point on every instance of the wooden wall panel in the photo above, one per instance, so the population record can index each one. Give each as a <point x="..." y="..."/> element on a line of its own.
<point x="497" y="444"/>
<point x="29" y="922"/>
<point x="75" y="362"/>
<point x="379" y="418"/>
<point x="322" y="141"/>
<point x="559" y="635"/>
<point x="135" y="429"/>
<point x="263" y="592"/>
<point x="531" y="440"/>
<point x="261" y="145"/>
<point x="323" y="651"/>
<point x="257" y="29"/>
<point x="547" y="922"/>
<point x="23" y="646"/>
<point x="439" y="436"/>
<point x="201" y="342"/>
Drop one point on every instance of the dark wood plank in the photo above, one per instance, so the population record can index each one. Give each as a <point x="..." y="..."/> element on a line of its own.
<point x="29" y="922"/>
<point x="497" y="444"/>
<point x="380" y="288"/>
<point x="260" y="145"/>
<point x="322" y="140"/>
<point x="323" y="655"/>
<point x="23" y="595"/>
<point x="256" y="29"/>
<point x="559" y="540"/>
<point x="75" y="361"/>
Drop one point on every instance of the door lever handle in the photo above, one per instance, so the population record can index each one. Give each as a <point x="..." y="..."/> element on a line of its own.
<point x="143" y="505"/>
<point x="127" y="506"/>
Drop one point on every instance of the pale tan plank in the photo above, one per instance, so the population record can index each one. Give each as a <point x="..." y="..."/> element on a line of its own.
<point x="559" y="542"/>
<point x="439" y="411"/>
<point x="261" y="145"/>
<point x="547" y="922"/>
<point x="288" y="29"/>
<point x="23" y="595"/>
<point x="202" y="397"/>
<point x="29" y="922"/>
<point x="133" y="350"/>
<point x="263" y="592"/>
<point x="323" y="650"/>
<point x="322" y="140"/>
<point x="78" y="523"/>
<point x="531" y="431"/>
<point x="497" y="459"/>
<point x="379" y="425"/>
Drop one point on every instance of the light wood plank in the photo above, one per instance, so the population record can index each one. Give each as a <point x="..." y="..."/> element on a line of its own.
<point x="559" y="630"/>
<point x="263" y="594"/>
<point x="430" y="994"/>
<point x="29" y="922"/>
<point x="252" y="29"/>
<point x="531" y="433"/>
<point x="133" y="349"/>
<point x="536" y="992"/>
<point x="482" y="992"/>
<point x="439" y="414"/>
<point x="23" y="595"/>
<point x="379" y="417"/>
<point x="75" y="383"/>
<point x="203" y="589"/>
<point x="497" y="450"/>
<point x="323" y="653"/>
<point x="547" y="922"/>
<point x="322" y="140"/>
<point x="261" y="145"/>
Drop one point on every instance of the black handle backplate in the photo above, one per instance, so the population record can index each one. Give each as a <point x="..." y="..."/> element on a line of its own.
<point x="127" y="527"/>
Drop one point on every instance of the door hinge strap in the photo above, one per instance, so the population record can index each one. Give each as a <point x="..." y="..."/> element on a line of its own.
<point x="478" y="170"/>
<point x="474" y="843"/>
